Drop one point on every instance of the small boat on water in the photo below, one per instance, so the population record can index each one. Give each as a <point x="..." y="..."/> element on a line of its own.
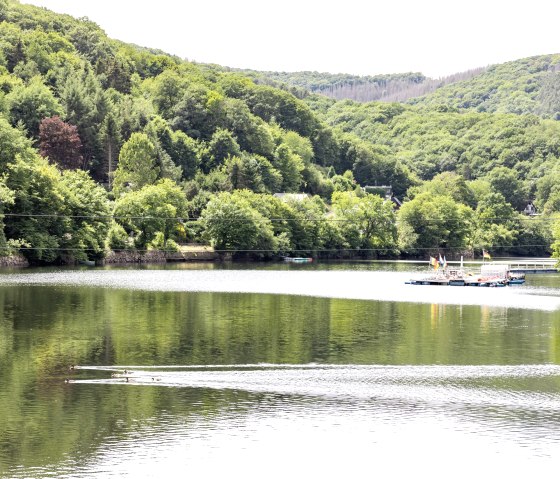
<point x="289" y="259"/>
<point x="491" y="275"/>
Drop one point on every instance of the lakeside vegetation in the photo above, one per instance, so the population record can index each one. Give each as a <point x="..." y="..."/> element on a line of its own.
<point x="110" y="146"/>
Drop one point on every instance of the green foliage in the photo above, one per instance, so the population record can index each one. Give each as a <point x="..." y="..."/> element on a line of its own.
<point x="534" y="237"/>
<point x="6" y="199"/>
<point x="299" y="145"/>
<point x="368" y="223"/>
<point x="556" y="236"/>
<point x="290" y="113"/>
<point x="231" y="224"/>
<point x="221" y="146"/>
<point x="430" y="142"/>
<point x="252" y="172"/>
<point x="434" y="222"/>
<point x="200" y="112"/>
<point x="88" y="216"/>
<point x="166" y="90"/>
<point x="117" y="238"/>
<point x="549" y="95"/>
<point x="30" y="104"/>
<point x="505" y="181"/>
<point x="447" y="184"/>
<point x="184" y="151"/>
<point x="153" y="209"/>
<point x="521" y="86"/>
<point x="290" y="167"/>
<point x="86" y="106"/>
<point x="137" y="165"/>
<point x="344" y="182"/>
<point x="251" y="132"/>
<point x="159" y="243"/>
<point x="343" y="85"/>
<point x="13" y="143"/>
<point x="495" y="223"/>
<point x="37" y="209"/>
<point x="315" y="182"/>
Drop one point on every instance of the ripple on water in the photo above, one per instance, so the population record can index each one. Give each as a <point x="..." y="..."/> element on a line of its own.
<point x="505" y="416"/>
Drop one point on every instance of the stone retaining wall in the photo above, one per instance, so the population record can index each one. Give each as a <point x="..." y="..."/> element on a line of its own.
<point x="127" y="257"/>
<point x="15" y="261"/>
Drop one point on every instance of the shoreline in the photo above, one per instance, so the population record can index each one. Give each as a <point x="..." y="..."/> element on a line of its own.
<point x="13" y="261"/>
<point x="206" y="254"/>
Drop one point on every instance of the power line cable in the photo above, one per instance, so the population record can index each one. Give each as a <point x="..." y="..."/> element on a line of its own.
<point x="200" y="218"/>
<point x="269" y="250"/>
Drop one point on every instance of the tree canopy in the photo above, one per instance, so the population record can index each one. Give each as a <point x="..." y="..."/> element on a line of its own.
<point x="106" y="145"/>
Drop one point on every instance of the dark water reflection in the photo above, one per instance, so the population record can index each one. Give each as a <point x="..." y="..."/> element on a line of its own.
<point x="381" y="378"/>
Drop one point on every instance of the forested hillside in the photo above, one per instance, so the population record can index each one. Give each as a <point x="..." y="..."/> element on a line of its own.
<point x="342" y="86"/>
<point x="109" y="147"/>
<point x="529" y="85"/>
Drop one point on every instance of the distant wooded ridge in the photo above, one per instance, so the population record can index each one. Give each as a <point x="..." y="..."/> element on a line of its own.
<point x="528" y="85"/>
<point x="398" y="87"/>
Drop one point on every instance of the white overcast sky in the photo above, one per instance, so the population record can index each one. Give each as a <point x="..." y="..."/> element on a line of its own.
<point x="435" y="37"/>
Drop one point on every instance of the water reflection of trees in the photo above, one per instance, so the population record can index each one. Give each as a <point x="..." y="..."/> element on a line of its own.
<point x="45" y="329"/>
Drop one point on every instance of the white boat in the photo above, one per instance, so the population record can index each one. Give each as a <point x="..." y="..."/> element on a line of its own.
<point x="297" y="260"/>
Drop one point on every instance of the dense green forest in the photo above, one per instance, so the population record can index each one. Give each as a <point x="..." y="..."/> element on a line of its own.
<point x="110" y="146"/>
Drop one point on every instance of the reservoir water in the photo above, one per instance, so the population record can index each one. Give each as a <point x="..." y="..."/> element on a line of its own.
<point x="286" y="370"/>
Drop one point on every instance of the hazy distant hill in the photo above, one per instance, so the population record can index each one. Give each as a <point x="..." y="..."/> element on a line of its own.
<point x="398" y="87"/>
<point x="529" y="85"/>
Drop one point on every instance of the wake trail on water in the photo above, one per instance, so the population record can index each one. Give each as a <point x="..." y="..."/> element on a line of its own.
<point x="531" y="387"/>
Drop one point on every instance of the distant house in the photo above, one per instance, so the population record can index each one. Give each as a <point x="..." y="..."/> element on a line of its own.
<point x="386" y="192"/>
<point x="530" y="210"/>
<point x="382" y="190"/>
<point x="291" y="196"/>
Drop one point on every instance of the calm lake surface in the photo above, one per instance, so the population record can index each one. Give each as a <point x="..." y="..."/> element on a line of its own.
<point x="283" y="370"/>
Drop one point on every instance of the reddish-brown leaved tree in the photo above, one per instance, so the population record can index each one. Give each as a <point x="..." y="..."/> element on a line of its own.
<point x="60" y="142"/>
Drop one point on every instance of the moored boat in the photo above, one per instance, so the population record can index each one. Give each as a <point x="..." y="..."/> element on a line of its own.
<point x="289" y="259"/>
<point x="491" y="275"/>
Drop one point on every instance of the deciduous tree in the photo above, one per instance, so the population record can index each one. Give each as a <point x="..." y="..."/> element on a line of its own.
<point x="60" y="143"/>
<point x="137" y="165"/>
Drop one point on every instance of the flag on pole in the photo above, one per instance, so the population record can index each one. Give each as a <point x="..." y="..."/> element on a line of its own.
<point x="441" y="261"/>
<point x="486" y="255"/>
<point x="434" y="262"/>
<point x="444" y="262"/>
